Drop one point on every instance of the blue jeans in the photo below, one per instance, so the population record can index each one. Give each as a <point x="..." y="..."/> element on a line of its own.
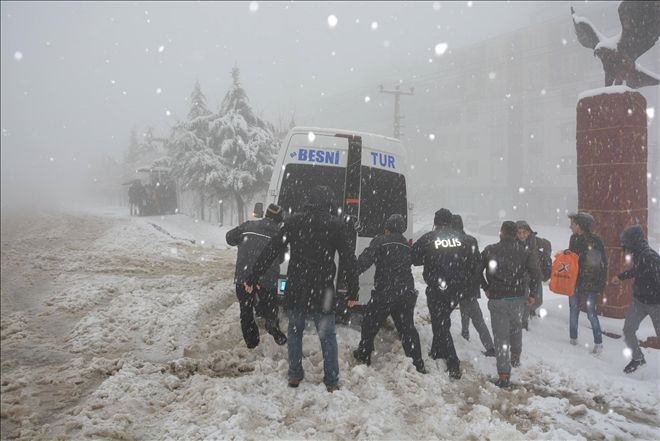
<point x="325" y="327"/>
<point x="574" y="304"/>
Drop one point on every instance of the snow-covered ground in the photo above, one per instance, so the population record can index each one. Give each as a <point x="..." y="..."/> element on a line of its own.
<point x="127" y="328"/>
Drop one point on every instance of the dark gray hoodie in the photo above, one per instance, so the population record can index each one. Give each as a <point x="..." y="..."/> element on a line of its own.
<point x="646" y="265"/>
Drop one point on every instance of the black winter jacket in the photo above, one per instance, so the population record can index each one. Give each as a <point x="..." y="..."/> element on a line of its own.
<point x="393" y="279"/>
<point x="313" y="237"/>
<point x="592" y="273"/>
<point x="251" y="238"/>
<point x="510" y="270"/>
<point x="449" y="258"/>
<point x="646" y="266"/>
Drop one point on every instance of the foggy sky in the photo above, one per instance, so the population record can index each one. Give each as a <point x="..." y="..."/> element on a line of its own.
<point x="77" y="76"/>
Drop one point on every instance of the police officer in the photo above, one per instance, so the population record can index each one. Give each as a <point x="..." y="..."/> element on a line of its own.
<point x="448" y="261"/>
<point x="394" y="292"/>
<point x="251" y="237"/>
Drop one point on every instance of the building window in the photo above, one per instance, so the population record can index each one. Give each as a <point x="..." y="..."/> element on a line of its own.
<point x="568" y="166"/>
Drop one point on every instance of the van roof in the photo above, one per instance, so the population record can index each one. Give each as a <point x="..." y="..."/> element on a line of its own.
<point x="372" y="139"/>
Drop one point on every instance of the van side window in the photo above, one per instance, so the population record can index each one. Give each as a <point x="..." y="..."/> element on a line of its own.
<point x="299" y="179"/>
<point x="382" y="193"/>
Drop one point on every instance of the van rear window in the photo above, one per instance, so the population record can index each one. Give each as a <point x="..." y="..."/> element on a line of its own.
<point x="382" y="193"/>
<point x="299" y="179"/>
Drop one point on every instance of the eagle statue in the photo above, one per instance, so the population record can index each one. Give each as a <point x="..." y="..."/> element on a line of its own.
<point x="640" y="29"/>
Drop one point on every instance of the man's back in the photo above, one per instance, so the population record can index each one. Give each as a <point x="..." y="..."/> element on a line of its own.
<point x="510" y="268"/>
<point x="391" y="255"/>
<point x="448" y="257"/>
<point x="251" y="237"/>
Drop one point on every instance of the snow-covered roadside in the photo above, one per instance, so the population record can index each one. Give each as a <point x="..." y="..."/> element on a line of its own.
<point x="151" y="348"/>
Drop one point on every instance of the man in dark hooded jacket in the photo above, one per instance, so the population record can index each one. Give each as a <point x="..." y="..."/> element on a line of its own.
<point x="314" y="236"/>
<point x="394" y="292"/>
<point x="448" y="260"/>
<point x="469" y="303"/>
<point x="592" y="276"/>
<point x="646" y="290"/>
<point x="251" y="237"/>
<point x="511" y="271"/>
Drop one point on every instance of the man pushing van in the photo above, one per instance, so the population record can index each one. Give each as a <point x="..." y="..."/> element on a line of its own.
<point x="314" y="236"/>
<point x="449" y="263"/>
<point x="251" y="237"/>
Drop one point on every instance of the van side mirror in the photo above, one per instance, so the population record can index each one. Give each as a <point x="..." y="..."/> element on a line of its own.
<point x="258" y="210"/>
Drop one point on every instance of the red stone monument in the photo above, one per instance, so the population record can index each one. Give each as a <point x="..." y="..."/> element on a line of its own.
<point x="611" y="176"/>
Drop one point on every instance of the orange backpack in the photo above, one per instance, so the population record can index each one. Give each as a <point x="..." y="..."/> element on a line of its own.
<point x="564" y="273"/>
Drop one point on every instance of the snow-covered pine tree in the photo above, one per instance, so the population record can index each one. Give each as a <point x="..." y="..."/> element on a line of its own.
<point x="133" y="147"/>
<point x="142" y="152"/>
<point x="245" y="143"/>
<point x="194" y="164"/>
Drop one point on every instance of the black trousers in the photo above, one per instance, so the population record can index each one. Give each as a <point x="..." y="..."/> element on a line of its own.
<point x="441" y="304"/>
<point x="402" y="313"/>
<point x="264" y="303"/>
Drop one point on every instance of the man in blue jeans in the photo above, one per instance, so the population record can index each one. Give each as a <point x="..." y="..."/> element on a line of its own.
<point x="314" y="236"/>
<point x="592" y="276"/>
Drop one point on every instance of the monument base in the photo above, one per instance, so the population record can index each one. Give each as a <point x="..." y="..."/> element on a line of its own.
<point x="611" y="177"/>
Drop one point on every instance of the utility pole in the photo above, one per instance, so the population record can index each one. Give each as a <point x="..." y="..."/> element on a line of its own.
<point x="397" y="92"/>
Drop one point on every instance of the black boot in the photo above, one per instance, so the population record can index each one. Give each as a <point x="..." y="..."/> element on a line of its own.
<point x="419" y="365"/>
<point x="361" y="357"/>
<point x="273" y="328"/>
<point x="633" y="365"/>
<point x="490" y="353"/>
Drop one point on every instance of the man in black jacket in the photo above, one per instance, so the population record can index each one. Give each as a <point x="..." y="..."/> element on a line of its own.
<point x="592" y="276"/>
<point x="314" y="236"/>
<point x="251" y="237"/>
<point x="646" y="290"/>
<point x="507" y="265"/>
<point x="394" y="292"/>
<point x="448" y="261"/>
<point x="469" y="303"/>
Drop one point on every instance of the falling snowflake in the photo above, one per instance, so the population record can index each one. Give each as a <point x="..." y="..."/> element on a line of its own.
<point x="492" y="265"/>
<point x="654" y="200"/>
<point x="521" y="190"/>
<point x="627" y="353"/>
<point x="441" y="48"/>
<point x="168" y="113"/>
<point x="332" y="21"/>
<point x="469" y="4"/>
<point x="650" y="112"/>
<point x="254" y="7"/>
<point x="158" y="91"/>
<point x="18" y="55"/>
<point x="431" y="136"/>
<point x="436" y="6"/>
<point x="161" y="48"/>
<point x="543" y="312"/>
<point x="564" y="42"/>
<point x="367" y="99"/>
<point x="311" y="136"/>
<point x="386" y="44"/>
<point x="492" y="75"/>
<point x="374" y="25"/>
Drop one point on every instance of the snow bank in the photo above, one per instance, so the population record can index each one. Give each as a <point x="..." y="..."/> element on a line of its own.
<point x="154" y="351"/>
